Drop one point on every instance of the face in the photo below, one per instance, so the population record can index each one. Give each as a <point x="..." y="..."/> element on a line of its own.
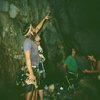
<point x="73" y="52"/>
<point x="37" y="38"/>
<point x="90" y="57"/>
<point x="38" y="43"/>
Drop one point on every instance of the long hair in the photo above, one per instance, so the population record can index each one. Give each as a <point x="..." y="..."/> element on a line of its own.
<point x="32" y="37"/>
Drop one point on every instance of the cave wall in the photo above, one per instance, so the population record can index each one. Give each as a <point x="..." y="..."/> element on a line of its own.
<point x="79" y="23"/>
<point x="72" y="24"/>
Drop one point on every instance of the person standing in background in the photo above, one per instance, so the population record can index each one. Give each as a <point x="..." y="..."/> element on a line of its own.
<point x="70" y="64"/>
<point x="42" y="74"/>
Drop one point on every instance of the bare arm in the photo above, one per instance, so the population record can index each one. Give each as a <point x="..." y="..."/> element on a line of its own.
<point x="38" y="27"/>
<point x="29" y="65"/>
<point x="65" y="67"/>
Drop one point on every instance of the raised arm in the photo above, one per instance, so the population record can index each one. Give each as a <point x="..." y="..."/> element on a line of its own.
<point x="38" y="27"/>
<point x="31" y="30"/>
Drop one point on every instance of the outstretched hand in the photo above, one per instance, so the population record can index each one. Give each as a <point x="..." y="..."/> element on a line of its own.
<point x="46" y="17"/>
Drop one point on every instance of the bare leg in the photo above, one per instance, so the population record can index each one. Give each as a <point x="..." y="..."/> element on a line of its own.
<point x="41" y="94"/>
<point x="34" y="97"/>
<point x="28" y="96"/>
